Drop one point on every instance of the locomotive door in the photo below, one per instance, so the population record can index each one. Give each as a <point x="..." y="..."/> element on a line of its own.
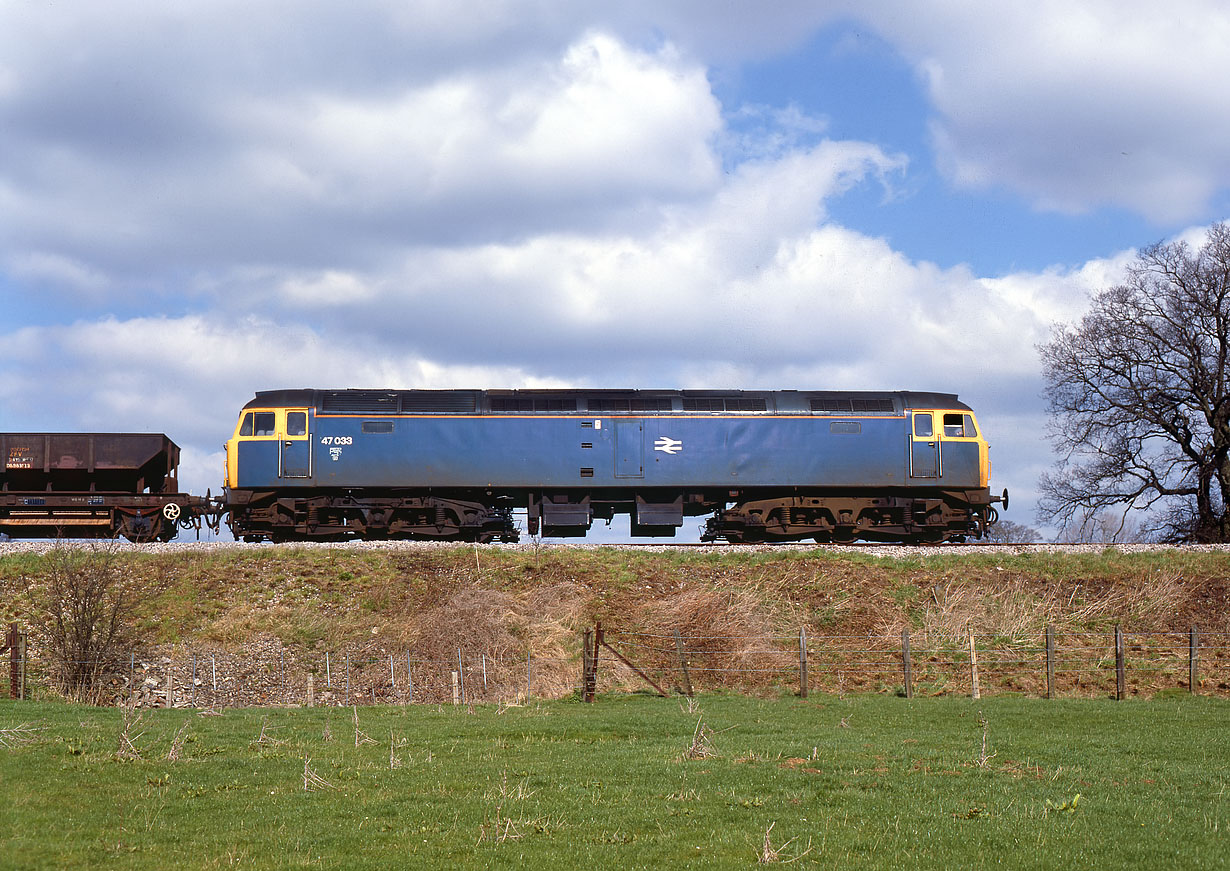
<point x="295" y="447"/>
<point x="629" y="448"/>
<point x="924" y="446"/>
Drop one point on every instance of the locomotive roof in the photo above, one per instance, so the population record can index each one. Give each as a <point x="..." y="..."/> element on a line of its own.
<point x="604" y="401"/>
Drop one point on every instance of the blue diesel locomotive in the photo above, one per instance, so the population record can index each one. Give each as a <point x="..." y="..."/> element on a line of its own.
<point x="454" y="464"/>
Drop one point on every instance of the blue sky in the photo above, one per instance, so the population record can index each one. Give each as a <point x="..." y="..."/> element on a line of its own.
<point x="203" y="200"/>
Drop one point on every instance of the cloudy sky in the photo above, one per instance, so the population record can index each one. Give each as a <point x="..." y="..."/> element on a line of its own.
<point x="204" y="198"/>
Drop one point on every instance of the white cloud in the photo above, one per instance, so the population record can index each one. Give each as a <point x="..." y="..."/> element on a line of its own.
<point x="1076" y="106"/>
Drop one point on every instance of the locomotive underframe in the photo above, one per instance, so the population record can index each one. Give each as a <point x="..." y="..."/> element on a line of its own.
<point x="769" y="515"/>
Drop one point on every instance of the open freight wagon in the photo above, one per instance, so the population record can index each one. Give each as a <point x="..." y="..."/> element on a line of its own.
<point x="96" y="485"/>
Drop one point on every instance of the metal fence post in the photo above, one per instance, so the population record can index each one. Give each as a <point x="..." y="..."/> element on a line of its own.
<point x="1050" y="661"/>
<point x="1193" y="659"/>
<point x="1120" y="672"/>
<point x="13" y="642"/>
<point x="803" y="662"/>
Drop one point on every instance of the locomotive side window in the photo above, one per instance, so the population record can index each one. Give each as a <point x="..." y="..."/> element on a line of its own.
<point x="264" y="423"/>
<point x="246" y="429"/>
<point x="971" y="431"/>
<point x="923" y="426"/>
<point x="296" y="423"/>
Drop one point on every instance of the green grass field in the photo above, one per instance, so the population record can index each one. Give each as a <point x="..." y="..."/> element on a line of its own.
<point x="867" y="781"/>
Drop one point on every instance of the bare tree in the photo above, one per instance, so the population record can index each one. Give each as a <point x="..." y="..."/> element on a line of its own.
<point x="1007" y="532"/>
<point x="84" y="610"/>
<point x="1140" y="397"/>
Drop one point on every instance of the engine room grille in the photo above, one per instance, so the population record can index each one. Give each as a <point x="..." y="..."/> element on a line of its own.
<point x="359" y="402"/>
<point x="533" y="403"/>
<point x="402" y="401"/>
<point x="852" y="405"/>
<point x="724" y="403"/>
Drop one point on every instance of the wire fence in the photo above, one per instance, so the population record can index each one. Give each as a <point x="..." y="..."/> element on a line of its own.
<point x="284" y="676"/>
<point x="1047" y="664"/>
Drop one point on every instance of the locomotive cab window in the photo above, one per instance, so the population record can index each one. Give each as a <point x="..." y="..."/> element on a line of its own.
<point x="959" y="426"/>
<point x="296" y="423"/>
<point x="923" y="425"/>
<point x="259" y="424"/>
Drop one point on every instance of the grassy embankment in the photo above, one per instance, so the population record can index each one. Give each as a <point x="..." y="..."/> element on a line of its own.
<point x="295" y="604"/>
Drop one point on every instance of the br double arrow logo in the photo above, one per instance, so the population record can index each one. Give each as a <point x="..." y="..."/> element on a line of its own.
<point x="668" y="445"/>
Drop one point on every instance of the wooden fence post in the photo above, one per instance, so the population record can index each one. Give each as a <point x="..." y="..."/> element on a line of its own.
<point x="973" y="665"/>
<point x="803" y="661"/>
<point x="1050" y="661"/>
<point x="1120" y="672"/>
<point x="587" y="693"/>
<point x="905" y="663"/>
<point x="683" y="664"/>
<point x="311" y="690"/>
<point x="1193" y="659"/>
<point x="462" y="672"/>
